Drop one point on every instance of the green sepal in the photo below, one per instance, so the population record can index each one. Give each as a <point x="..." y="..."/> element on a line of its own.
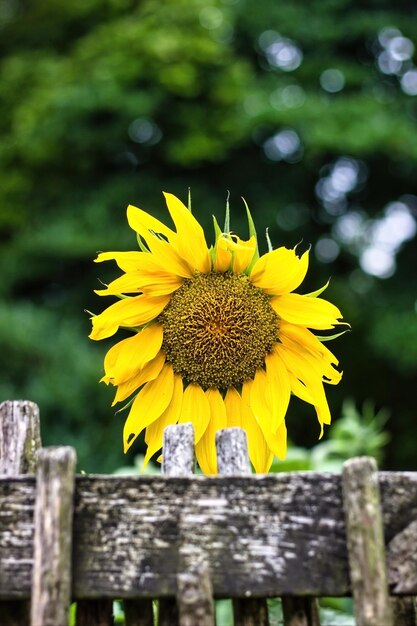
<point x="335" y="336"/>
<point x="127" y="405"/>
<point x="268" y="240"/>
<point x="189" y="200"/>
<point x="217" y="233"/>
<point x="227" y="215"/>
<point x="318" y="292"/>
<point x="141" y="244"/>
<point x="252" y="233"/>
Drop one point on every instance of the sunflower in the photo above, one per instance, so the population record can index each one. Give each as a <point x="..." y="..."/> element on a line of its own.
<point x="219" y="338"/>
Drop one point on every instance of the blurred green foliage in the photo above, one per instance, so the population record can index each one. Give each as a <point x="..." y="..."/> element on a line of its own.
<point x="308" y="110"/>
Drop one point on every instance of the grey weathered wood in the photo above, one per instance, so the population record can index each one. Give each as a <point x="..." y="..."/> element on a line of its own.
<point x="138" y="613"/>
<point x="178" y="451"/>
<point x="255" y="530"/>
<point x="403" y="557"/>
<point x="232" y="452"/>
<point x="365" y="538"/>
<point x="19" y="437"/>
<point x="233" y="459"/>
<point x="195" y="596"/>
<point x="250" y="612"/>
<point x="299" y="611"/>
<point x="94" y="613"/>
<point x="193" y="587"/>
<point x="177" y="460"/>
<point x="51" y="580"/>
<point x="19" y="442"/>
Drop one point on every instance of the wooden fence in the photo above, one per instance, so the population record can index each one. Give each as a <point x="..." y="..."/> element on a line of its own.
<point x="186" y="539"/>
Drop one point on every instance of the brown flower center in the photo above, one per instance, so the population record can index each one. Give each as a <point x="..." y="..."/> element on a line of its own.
<point x="218" y="329"/>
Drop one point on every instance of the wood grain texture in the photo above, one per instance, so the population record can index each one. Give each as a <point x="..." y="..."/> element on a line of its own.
<point x="94" y="613"/>
<point x="365" y="537"/>
<point x="19" y="443"/>
<point x="257" y="531"/>
<point x="19" y="437"/>
<point x="300" y="611"/>
<point x="178" y="459"/>
<point x="51" y="579"/>
<point x="233" y="459"/>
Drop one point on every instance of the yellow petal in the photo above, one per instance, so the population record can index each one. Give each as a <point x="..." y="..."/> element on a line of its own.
<point x="195" y="409"/>
<point x="149" y="404"/>
<point x="190" y="242"/>
<point x="141" y="282"/>
<point x="206" y="448"/>
<point x="299" y="389"/>
<point x="223" y="257"/>
<point x="149" y="372"/>
<point x="259" y="452"/>
<point x="233" y="404"/>
<point x="127" y="357"/>
<point x="301" y="368"/>
<point x="305" y="311"/>
<point x="319" y="362"/>
<point x="146" y="225"/>
<point x="280" y="442"/>
<point x="168" y="256"/>
<point x="279" y="388"/>
<point x="130" y="312"/>
<point x="243" y="254"/>
<point x="260" y="401"/>
<point x="230" y="250"/>
<point x="155" y="431"/>
<point x="127" y="261"/>
<point x="280" y="271"/>
<point x="304" y="337"/>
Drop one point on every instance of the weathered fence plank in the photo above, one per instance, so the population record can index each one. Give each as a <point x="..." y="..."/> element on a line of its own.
<point x="194" y="594"/>
<point x="299" y="611"/>
<point x="138" y="613"/>
<point x="177" y="460"/>
<point x="233" y="459"/>
<point x="133" y="522"/>
<point x="19" y="437"/>
<point x="94" y="613"/>
<point x="19" y="442"/>
<point x="51" y="578"/>
<point x="404" y="611"/>
<point x="365" y="538"/>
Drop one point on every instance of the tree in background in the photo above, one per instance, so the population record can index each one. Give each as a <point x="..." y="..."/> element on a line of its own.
<point x="308" y="110"/>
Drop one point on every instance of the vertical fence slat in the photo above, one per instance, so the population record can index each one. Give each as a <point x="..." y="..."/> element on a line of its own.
<point x="94" y="613"/>
<point x="51" y="580"/>
<point x="177" y="460"/>
<point x="194" y="601"/>
<point x="138" y="612"/>
<point x="233" y="459"/>
<point x="365" y="539"/>
<point x="404" y="611"/>
<point x="299" y="611"/>
<point x="19" y="437"/>
<point x="19" y="442"/>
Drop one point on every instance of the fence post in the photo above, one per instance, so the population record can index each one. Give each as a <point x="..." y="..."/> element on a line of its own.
<point x="194" y="601"/>
<point x="19" y="441"/>
<point x="365" y="541"/>
<point x="51" y="581"/>
<point x="233" y="460"/>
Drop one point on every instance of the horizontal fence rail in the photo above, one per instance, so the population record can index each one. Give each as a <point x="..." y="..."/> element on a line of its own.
<point x="255" y="530"/>
<point x="185" y="539"/>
